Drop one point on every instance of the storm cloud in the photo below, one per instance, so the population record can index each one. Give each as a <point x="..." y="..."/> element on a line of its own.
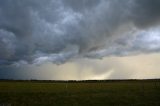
<point x="38" y="31"/>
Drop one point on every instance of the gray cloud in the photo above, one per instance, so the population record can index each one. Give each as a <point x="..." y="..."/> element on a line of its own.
<point x="56" y="31"/>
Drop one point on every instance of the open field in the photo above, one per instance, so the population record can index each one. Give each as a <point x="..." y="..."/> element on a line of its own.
<point x="87" y="93"/>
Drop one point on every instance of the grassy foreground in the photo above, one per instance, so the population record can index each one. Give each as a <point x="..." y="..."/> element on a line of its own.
<point x="89" y="93"/>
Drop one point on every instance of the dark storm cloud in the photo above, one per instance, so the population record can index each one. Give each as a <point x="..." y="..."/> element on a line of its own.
<point x="81" y="5"/>
<point x="146" y="12"/>
<point x="55" y="31"/>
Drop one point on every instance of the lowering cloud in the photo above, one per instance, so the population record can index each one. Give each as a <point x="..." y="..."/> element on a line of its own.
<point x="37" y="31"/>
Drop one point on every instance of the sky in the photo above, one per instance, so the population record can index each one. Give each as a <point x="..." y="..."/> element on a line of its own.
<point x="79" y="39"/>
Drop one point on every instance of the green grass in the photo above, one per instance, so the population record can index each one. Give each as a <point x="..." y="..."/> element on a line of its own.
<point x="108" y="93"/>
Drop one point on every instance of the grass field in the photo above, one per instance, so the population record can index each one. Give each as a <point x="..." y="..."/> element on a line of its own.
<point x="91" y="93"/>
